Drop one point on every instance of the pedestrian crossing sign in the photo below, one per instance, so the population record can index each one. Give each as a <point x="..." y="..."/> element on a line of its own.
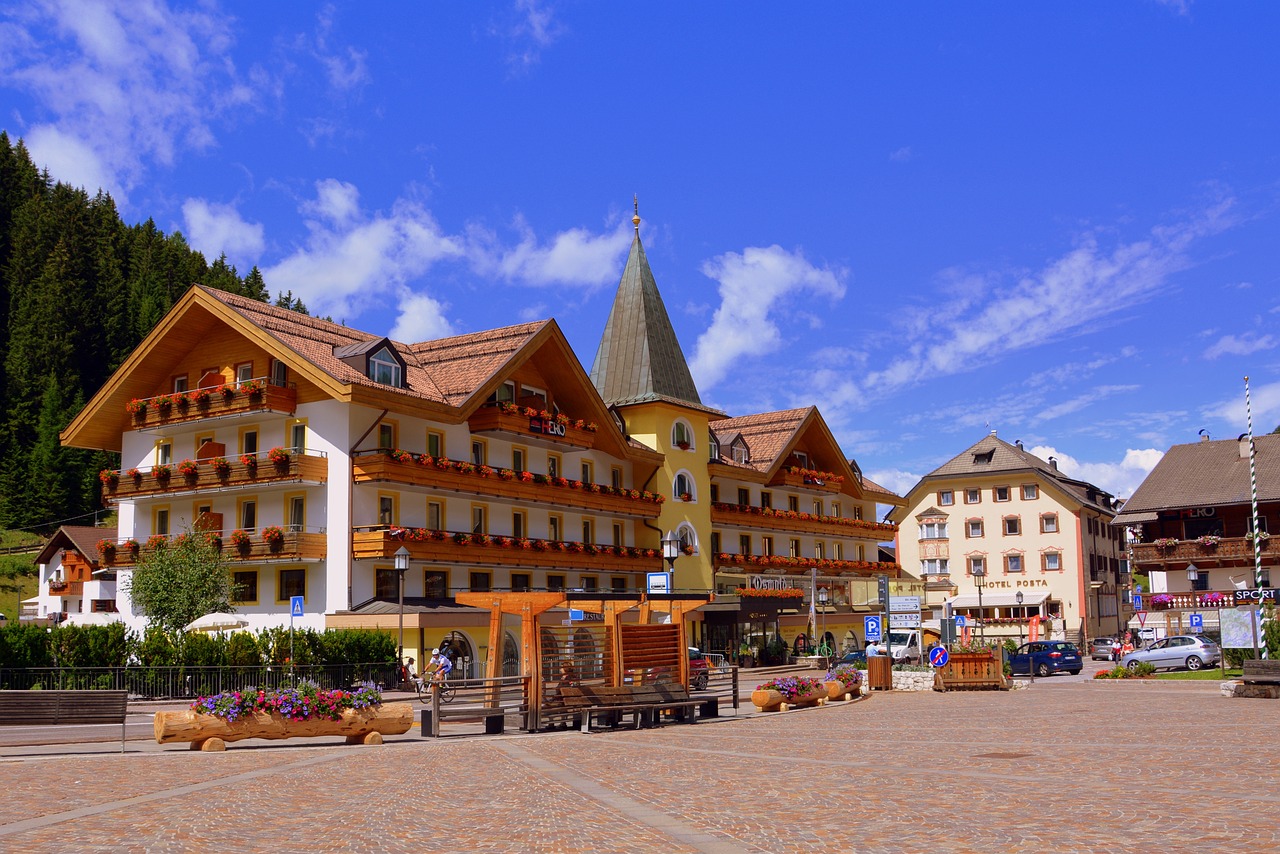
<point x="295" y="606"/>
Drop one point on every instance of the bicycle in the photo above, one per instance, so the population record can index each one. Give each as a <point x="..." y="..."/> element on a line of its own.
<point x="427" y="685"/>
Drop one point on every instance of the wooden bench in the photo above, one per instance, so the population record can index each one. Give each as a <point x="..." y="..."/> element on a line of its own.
<point x="1261" y="670"/>
<point x="643" y="703"/>
<point x="62" y="708"/>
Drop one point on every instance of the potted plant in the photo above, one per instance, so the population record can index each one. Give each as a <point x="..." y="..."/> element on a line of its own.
<point x="273" y="535"/>
<point x="110" y="478"/>
<point x="157" y="542"/>
<point x="221" y="467"/>
<point x="279" y="458"/>
<point x="1208" y="542"/>
<point x="843" y="681"/>
<point x="107" y="550"/>
<point x="789" y="690"/>
<point x="132" y="547"/>
<point x="1161" y="601"/>
<point x="200" y="397"/>
<point x="135" y="476"/>
<point x="137" y="408"/>
<point x="250" y="462"/>
<point x="189" y="469"/>
<point x="162" y="473"/>
<point x="241" y="541"/>
<point x="684" y="496"/>
<point x="1165" y="544"/>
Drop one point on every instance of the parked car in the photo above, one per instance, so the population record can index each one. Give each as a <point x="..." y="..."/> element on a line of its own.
<point x="1046" y="658"/>
<point x="855" y="657"/>
<point x="1100" y="649"/>
<point x="1174" y="653"/>
<point x="699" y="669"/>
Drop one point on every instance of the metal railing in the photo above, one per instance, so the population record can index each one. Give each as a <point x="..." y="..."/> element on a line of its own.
<point x="181" y="683"/>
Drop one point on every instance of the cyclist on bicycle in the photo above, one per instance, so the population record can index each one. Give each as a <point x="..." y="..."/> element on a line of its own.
<point x="440" y="666"/>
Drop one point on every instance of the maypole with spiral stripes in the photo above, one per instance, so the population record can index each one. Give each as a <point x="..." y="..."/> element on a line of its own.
<point x="1255" y="529"/>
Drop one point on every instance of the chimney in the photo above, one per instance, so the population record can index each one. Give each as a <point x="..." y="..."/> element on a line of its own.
<point x="1244" y="446"/>
<point x="1053" y="461"/>
<point x="1018" y="442"/>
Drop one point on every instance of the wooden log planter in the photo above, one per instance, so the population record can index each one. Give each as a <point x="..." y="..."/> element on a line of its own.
<point x="837" y="690"/>
<point x="210" y="732"/>
<point x="767" y="698"/>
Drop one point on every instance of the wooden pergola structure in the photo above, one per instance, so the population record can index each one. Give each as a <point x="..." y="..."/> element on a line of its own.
<point x="625" y="650"/>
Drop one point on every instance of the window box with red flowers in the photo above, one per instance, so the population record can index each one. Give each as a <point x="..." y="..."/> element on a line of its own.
<point x="135" y="476"/>
<point x="110" y="479"/>
<point x="107" y="550"/>
<point x="132" y="547"/>
<point x="279" y="458"/>
<point x="1165" y="544"/>
<point x="221" y="467"/>
<point x="273" y="535"/>
<point x="137" y="408"/>
<point x="162" y="474"/>
<point x="400" y="456"/>
<point x="200" y="397"/>
<point x="684" y="496"/>
<point x="250" y="462"/>
<point x="156" y="542"/>
<point x="189" y="469"/>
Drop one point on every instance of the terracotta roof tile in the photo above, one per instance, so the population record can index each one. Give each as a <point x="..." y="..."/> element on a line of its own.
<point x="766" y="433"/>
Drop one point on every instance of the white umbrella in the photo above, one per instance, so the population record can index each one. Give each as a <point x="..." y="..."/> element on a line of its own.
<point x="216" y="622"/>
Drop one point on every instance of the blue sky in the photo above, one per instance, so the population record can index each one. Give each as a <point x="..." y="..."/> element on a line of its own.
<point x="1058" y="221"/>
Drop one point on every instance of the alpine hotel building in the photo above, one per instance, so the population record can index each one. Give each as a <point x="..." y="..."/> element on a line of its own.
<point x="316" y="452"/>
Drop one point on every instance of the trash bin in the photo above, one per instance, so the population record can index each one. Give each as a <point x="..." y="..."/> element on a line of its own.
<point x="880" y="673"/>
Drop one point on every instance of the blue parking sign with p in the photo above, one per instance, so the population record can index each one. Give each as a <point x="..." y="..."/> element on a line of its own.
<point x="1197" y="621"/>
<point x="872" y="628"/>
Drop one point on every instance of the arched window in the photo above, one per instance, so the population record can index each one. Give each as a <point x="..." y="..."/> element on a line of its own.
<point x="684" y="487"/>
<point x="688" y="538"/>
<point x="682" y="435"/>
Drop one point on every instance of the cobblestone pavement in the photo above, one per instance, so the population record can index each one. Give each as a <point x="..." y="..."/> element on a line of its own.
<point x="1078" y="767"/>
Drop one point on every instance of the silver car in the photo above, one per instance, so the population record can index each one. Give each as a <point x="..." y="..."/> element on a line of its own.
<point x="1189" y="651"/>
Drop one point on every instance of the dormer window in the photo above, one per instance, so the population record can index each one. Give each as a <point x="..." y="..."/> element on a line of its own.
<point x="383" y="368"/>
<point x="741" y="453"/>
<point x="802" y="459"/>
<point x="713" y="445"/>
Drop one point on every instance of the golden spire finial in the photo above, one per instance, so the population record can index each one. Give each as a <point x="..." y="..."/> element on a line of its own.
<point x="636" y="219"/>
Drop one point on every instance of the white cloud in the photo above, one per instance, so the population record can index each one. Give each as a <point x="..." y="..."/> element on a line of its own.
<point x="573" y="257"/>
<point x="1264" y="401"/>
<point x="345" y="67"/>
<point x="752" y="286"/>
<point x="122" y="83"/>
<point x="901" y="155"/>
<point x="1080" y="402"/>
<point x="895" y="480"/>
<point x="215" y="228"/>
<point x="1239" y="345"/>
<point x="422" y="318"/>
<point x="1120" y="479"/>
<point x="534" y="30"/>
<point x="985" y="322"/>
<point x="351" y="260"/>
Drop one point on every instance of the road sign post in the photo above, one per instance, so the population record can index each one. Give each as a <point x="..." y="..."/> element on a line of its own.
<point x="296" y="605"/>
<point x="871" y="628"/>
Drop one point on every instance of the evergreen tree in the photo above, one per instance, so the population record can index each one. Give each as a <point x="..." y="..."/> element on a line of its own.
<point x="290" y="302"/>
<point x="254" y="286"/>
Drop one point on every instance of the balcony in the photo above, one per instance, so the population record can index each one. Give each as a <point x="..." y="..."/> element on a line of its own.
<point x="745" y="516"/>
<point x="428" y="472"/>
<point x="532" y="425"/>
<point x="762" y="563"/>
<point x="1199" y="599"/>
<point x="793" y="477"/>
<point x="1229" y="551"/>
<point x="232" y="399"/>
<point x="267" y="545"/>
<point x="484" y="550"/>
<point x="192" y="476"/>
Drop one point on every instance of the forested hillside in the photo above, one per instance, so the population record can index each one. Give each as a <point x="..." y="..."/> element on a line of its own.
<point x="78" y="290"/>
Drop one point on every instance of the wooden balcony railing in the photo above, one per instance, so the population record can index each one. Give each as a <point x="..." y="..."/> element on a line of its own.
<point x="521" y="487"/>
<point x="257" y="547"/>
<point x="1195" y="600"/>
<point x="257" y="395"/>
<point x="726" y="561"/>
<point x="425" y="544"/>
<point x="250" y="470"/>
<point x="745" y="516"/>
<point x="532" y="424"/>
<point x="1228" y="551"/>
<point x="806" y="479"/>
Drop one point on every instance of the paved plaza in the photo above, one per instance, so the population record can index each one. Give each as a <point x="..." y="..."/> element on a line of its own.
<point x="1062" y="766"/>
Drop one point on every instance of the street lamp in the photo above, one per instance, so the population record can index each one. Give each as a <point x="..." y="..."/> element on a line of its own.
<point x="1018" y="597"/>
<point x="1193" y="572"/>
<point x="402" y="564"/>
<point x="822" y="600"/>
<point x="670" y="550"/>
<point x="980" y="573"/>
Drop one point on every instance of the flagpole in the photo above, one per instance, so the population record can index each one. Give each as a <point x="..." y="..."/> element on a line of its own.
<point x="1256" y="616"/>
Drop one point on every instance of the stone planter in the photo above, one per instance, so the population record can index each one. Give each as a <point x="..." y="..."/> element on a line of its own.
<point x="210" y="732"/>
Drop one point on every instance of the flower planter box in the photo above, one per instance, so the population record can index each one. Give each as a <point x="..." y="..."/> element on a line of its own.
<point x="970" y="671"/>
<point x="837" y="690"/>
<point x="210" y="732"/>
<point x="768" y="700"/>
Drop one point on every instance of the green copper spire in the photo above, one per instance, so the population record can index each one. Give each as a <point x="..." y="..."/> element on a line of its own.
<point x="639" y="358"/>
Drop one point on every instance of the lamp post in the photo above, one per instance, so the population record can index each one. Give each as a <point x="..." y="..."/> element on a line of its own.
<point x="670" y="550"/>
<point x="1018" y="597"/>
<point x="979" y="574"/>
<point x="402" y="564"/>
<point x="822" y="600"/>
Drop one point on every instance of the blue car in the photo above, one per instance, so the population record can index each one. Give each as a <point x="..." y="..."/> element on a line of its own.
<point x="1046" y="658"/>
<point x="856" y="657"/>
